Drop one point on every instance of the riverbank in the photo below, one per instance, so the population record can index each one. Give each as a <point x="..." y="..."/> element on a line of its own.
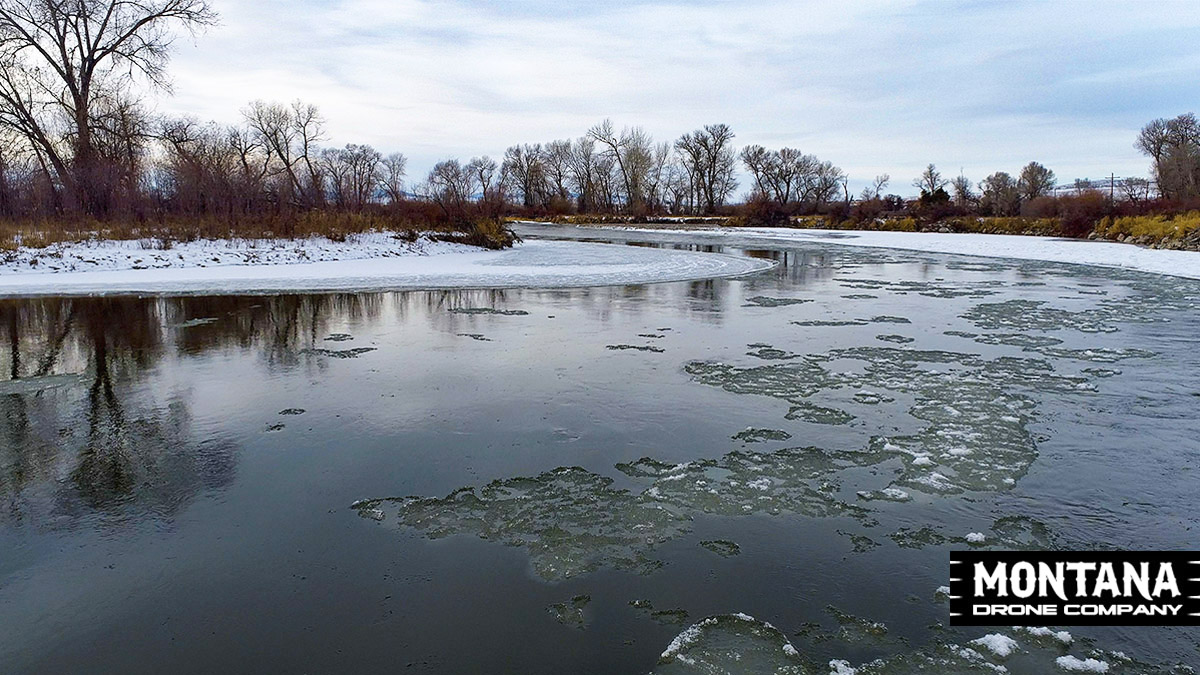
<point x="360" y="264"/>
<point x="1179" y="232"/>
<point x="1176" y="263"/>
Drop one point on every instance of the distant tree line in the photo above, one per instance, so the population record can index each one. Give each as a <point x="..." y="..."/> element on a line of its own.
<point x="75" y="141"/>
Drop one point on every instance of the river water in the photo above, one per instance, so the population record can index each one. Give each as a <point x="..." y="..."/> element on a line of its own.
<point x="551" y="481"/>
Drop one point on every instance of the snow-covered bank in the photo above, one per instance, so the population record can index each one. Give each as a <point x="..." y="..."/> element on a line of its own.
<point x="534" y="264"/>
<point x="1049" y="249"/>
<point x="110" y="255"/>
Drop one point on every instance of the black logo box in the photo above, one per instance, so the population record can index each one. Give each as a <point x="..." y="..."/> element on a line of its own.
<point x="990" y="609"/>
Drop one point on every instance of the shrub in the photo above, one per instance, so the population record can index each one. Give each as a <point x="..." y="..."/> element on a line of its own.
<point x="1081" y="213"/>
<point x="762" y="212"/>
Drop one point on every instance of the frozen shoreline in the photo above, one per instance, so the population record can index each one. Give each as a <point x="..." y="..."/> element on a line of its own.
<point x="1016" y="247"/>
<point x="533" y="264"/>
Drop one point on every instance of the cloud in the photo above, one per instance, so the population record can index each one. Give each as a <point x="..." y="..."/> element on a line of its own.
<point x="874" y="86"/>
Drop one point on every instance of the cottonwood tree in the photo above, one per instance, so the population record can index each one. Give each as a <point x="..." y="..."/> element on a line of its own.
<point x="709" y="159"/>
<point x="450" y="186"/>
<point x="1035" y="181"/>
<point x="523" y="166"/>
<point x="633" y="154"/>
<point x="395" y="167"/>
<point x="828" y="180"/>
<point x="66" y="64"/>
<point x="291" y="134"/>
<point x="1001" y="194"/>
<point x="930" y="180"/>
<point x="354" y="175"/>
<point x="876" y="188"/>
<point x="581" y="163"/>
<point x="963" y="196"/>
<point x="1174" y="147"/>
<point x="485" y="177"/>
<point x="556" y="167"/>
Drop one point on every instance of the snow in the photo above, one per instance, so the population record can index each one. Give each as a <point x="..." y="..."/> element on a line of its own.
<point x="1062" y="635"/>
<point x="358" y="266"/>
<point x="840" y="667"/>
<point x="999" y="644"/>
<point x="976" y="537"/>
<point x="1078" y="665"/>
<point x="1018" y="247"/>
<point x="103" y="255"/>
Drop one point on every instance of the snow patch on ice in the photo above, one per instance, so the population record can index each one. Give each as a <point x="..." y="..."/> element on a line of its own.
<point x="999" y="644"/>
<point x="1078" y="665"/>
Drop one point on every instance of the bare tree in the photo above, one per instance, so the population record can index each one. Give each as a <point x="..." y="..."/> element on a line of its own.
<point x="1174" y="146"/>
<point x="709" y="159"/>
<point x="582" y="165"/>
<point x="523" y="166"/>
<point x="394" y="167"/>
<point x="353" y="175"/>
<point x="1001" y="195"/>
<point x="291" y="135"/>
<point x="556" y="165"/>
<point x="1035" y="181"/>
<point x="930" y="180"/>
<point x="963" y="196"/>
<point x="875" y="190"/>
<point x="484" y="172"/>
<point x="60" y="59"/>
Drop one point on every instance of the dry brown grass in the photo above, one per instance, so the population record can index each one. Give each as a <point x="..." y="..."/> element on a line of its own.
<point x="334" y="225"/>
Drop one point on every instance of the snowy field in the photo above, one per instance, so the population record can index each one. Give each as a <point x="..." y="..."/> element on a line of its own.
<point x="375" y="262"/>
<point x="1016" y="247"/>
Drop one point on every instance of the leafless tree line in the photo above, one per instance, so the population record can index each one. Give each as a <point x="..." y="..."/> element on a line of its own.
<point x="1174" y="147"/>
<point x="604" y="171"/>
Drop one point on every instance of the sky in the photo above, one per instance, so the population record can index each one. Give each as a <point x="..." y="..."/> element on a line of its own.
<point x="874" y="86"/>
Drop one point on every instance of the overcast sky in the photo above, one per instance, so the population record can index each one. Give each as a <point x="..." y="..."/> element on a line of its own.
<point x="875" y="86"/>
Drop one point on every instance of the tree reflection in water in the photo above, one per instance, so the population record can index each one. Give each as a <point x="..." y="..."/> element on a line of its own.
<point x="79" y="437"/>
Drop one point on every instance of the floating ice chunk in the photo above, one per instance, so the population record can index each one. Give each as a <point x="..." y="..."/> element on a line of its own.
<point x="839" y="667"/>
<point x="999" y="644"/>
<point x="731" y="643"/>
<point x="1075" y="664"/>
<point x="890" y="494"/>
<point x="1040" y="631"/>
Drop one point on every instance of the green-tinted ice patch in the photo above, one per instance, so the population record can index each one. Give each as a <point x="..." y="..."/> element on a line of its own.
<point x="489" y="310"/>
<point x="824" y="323"/>
<point x="637" y="348"/>
<point x="731" y="643"/>
<point x="722" y="547"/>
<point x="1029" y="315"/>
<point x="340" y="353"/>
<point x="571" y="521"/>
<point x="1017" y="533"/>
<point x="570" y="612"/>
<point x="815" y="414"/>
<point x="752" y="435"/>
<point x="974" y="412"/>
<point x="764" y="301"/>
<point x="669" y="617"/>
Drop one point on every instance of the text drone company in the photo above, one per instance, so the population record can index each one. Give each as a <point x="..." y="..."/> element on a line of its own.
<point x="1074" y="588"/>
